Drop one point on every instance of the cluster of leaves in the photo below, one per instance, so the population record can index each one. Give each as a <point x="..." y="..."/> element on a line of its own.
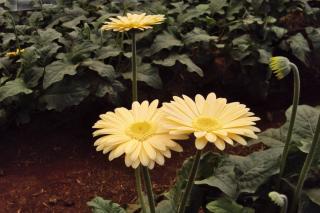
<point x="240" y="184"/>
<point x="67" y="59"/>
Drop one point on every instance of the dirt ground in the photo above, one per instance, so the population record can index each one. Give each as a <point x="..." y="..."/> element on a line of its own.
<point x="52" y="166"/>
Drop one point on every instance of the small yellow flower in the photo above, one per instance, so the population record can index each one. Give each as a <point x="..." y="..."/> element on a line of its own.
<point x="14" y="53"/>
<point x="210" y="119"/>
<point x="133" y="21"/>
<point x="136" y="133"/>
<point x="280" y="66"/>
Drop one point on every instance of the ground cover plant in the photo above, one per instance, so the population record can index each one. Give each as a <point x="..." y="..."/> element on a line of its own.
<point x="55" y="56"/>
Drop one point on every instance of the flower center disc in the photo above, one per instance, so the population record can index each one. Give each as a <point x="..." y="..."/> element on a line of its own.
<point x="206" y="124"/>
<point x="140" y="130"/>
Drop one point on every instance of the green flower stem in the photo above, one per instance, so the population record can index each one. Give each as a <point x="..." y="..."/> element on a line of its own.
<point x="134" y="68"/>
<point x="190" y="182"/>
<point x="139" y="189"/>
<point x="148" y="184"/>
<point x="284" y="208"/>
<point x="306" y="167"/>
<point x="15" y="31"/>
<point x="296" y="97"/>
<point x="135" y="98"/>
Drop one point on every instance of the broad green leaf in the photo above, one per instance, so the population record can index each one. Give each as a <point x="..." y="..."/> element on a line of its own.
<point x="12" y="88"/>
<point x="238" y="174"/>
<point x="183" y="59"/>
<point x="241" y="47"/>
<point x="299" y="47"/>
<point x="226" y="205"/>
<point x="314" y="195"/>
<point x="278" y="31"/>
<point x="47" y="35"/>
<point x="74" y="22"/>
<point x="65" y="94"/>
<point x="56" y="71"/>
<point x="198" y="35"/>
<point x="217" y="5"/>
<point x="99" y="205"/>
<point x="304" y="128"/>
<point x="164" y="40"/>
<point x="33" y="75"/>
<point x="208" y="162"/>
<point x="104" y="70"/>
<point x="108" y="51"/>
<point x="148" y="74"/>
<point x="264" y="56"/>
<point x="165" y="206"/>
<point x="195" y="12"/>
<point x="314" y="36"/>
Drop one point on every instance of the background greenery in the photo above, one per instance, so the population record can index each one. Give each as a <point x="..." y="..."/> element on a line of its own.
<point x="204" y="45"/>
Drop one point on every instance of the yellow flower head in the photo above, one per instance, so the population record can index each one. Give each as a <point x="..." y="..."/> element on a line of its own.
<point x="14" y="53"/>
<point x="280" y="66"/>
<point x="137" y="134"/>
<point x="133" y="21"/>
<point x="277" y="198"/>
<point x="210" y="119"/>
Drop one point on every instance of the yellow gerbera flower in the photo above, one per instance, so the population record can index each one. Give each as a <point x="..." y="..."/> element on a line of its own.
<point x="137" y="133"/>
<point x="133" y="21"/>
<point x="210" y="120"/>
<point x="280" y="66"/>
<point x="14" y="53"/>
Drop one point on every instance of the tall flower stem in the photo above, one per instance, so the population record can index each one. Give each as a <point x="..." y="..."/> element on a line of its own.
<point x="306" y="167"/>
<point x="296" y="97"/>
<point x="135" y="98"/>
<point x="147" y="181"/>
<point x="284" y="208"/>
<point x="192" y="176"/>
<point x="134" y="68"/>
<point x="139" y="189"/>
<point x="15" y="31"/>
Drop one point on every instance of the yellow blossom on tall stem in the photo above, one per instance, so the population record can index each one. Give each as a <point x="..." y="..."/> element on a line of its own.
<point x="136" y="133"/>
<point x="133" y="21"/>
<point x="210" y="120"/>
<point x="14" y="53"/>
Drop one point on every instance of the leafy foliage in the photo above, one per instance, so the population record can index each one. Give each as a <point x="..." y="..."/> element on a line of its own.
<point x="225" y="205"/>
<point x="99" y="205"/>
<point x="64" y="41"/>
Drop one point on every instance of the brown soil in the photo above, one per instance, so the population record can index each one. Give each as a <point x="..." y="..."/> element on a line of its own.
<point x="50" y="167"/>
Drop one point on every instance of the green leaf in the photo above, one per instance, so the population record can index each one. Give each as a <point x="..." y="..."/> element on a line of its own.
<point x="314" y="36"/>
<point x="264" y="56"/>
<point x="56" y="71"/>
<point x="12" y="88"/>
<point x="278" y="31"/>
<point x="47" y="35"/>
<point x="226" y="205"/>
<point x="164" y="40"/>
<point x="148" y="74"/>
<point x="108" y="51"/>
<point x="64" y="94"/>
<point x="33" y="75"/>
<point x="305" y="125"/>
<point x="238" y="174"/>
<point x="104" y="70"/>
<point x="183" y="59"/>
<point x="195" y="12"/>
<point x="197" y="35"/>
<point x="74" y="22"/>
<point x="99" y="205"/>
<point x="299" y="47"/>
<point x="208" y="162"/>
<point x="314" y="195"/>
<point x="217" y="5"/>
